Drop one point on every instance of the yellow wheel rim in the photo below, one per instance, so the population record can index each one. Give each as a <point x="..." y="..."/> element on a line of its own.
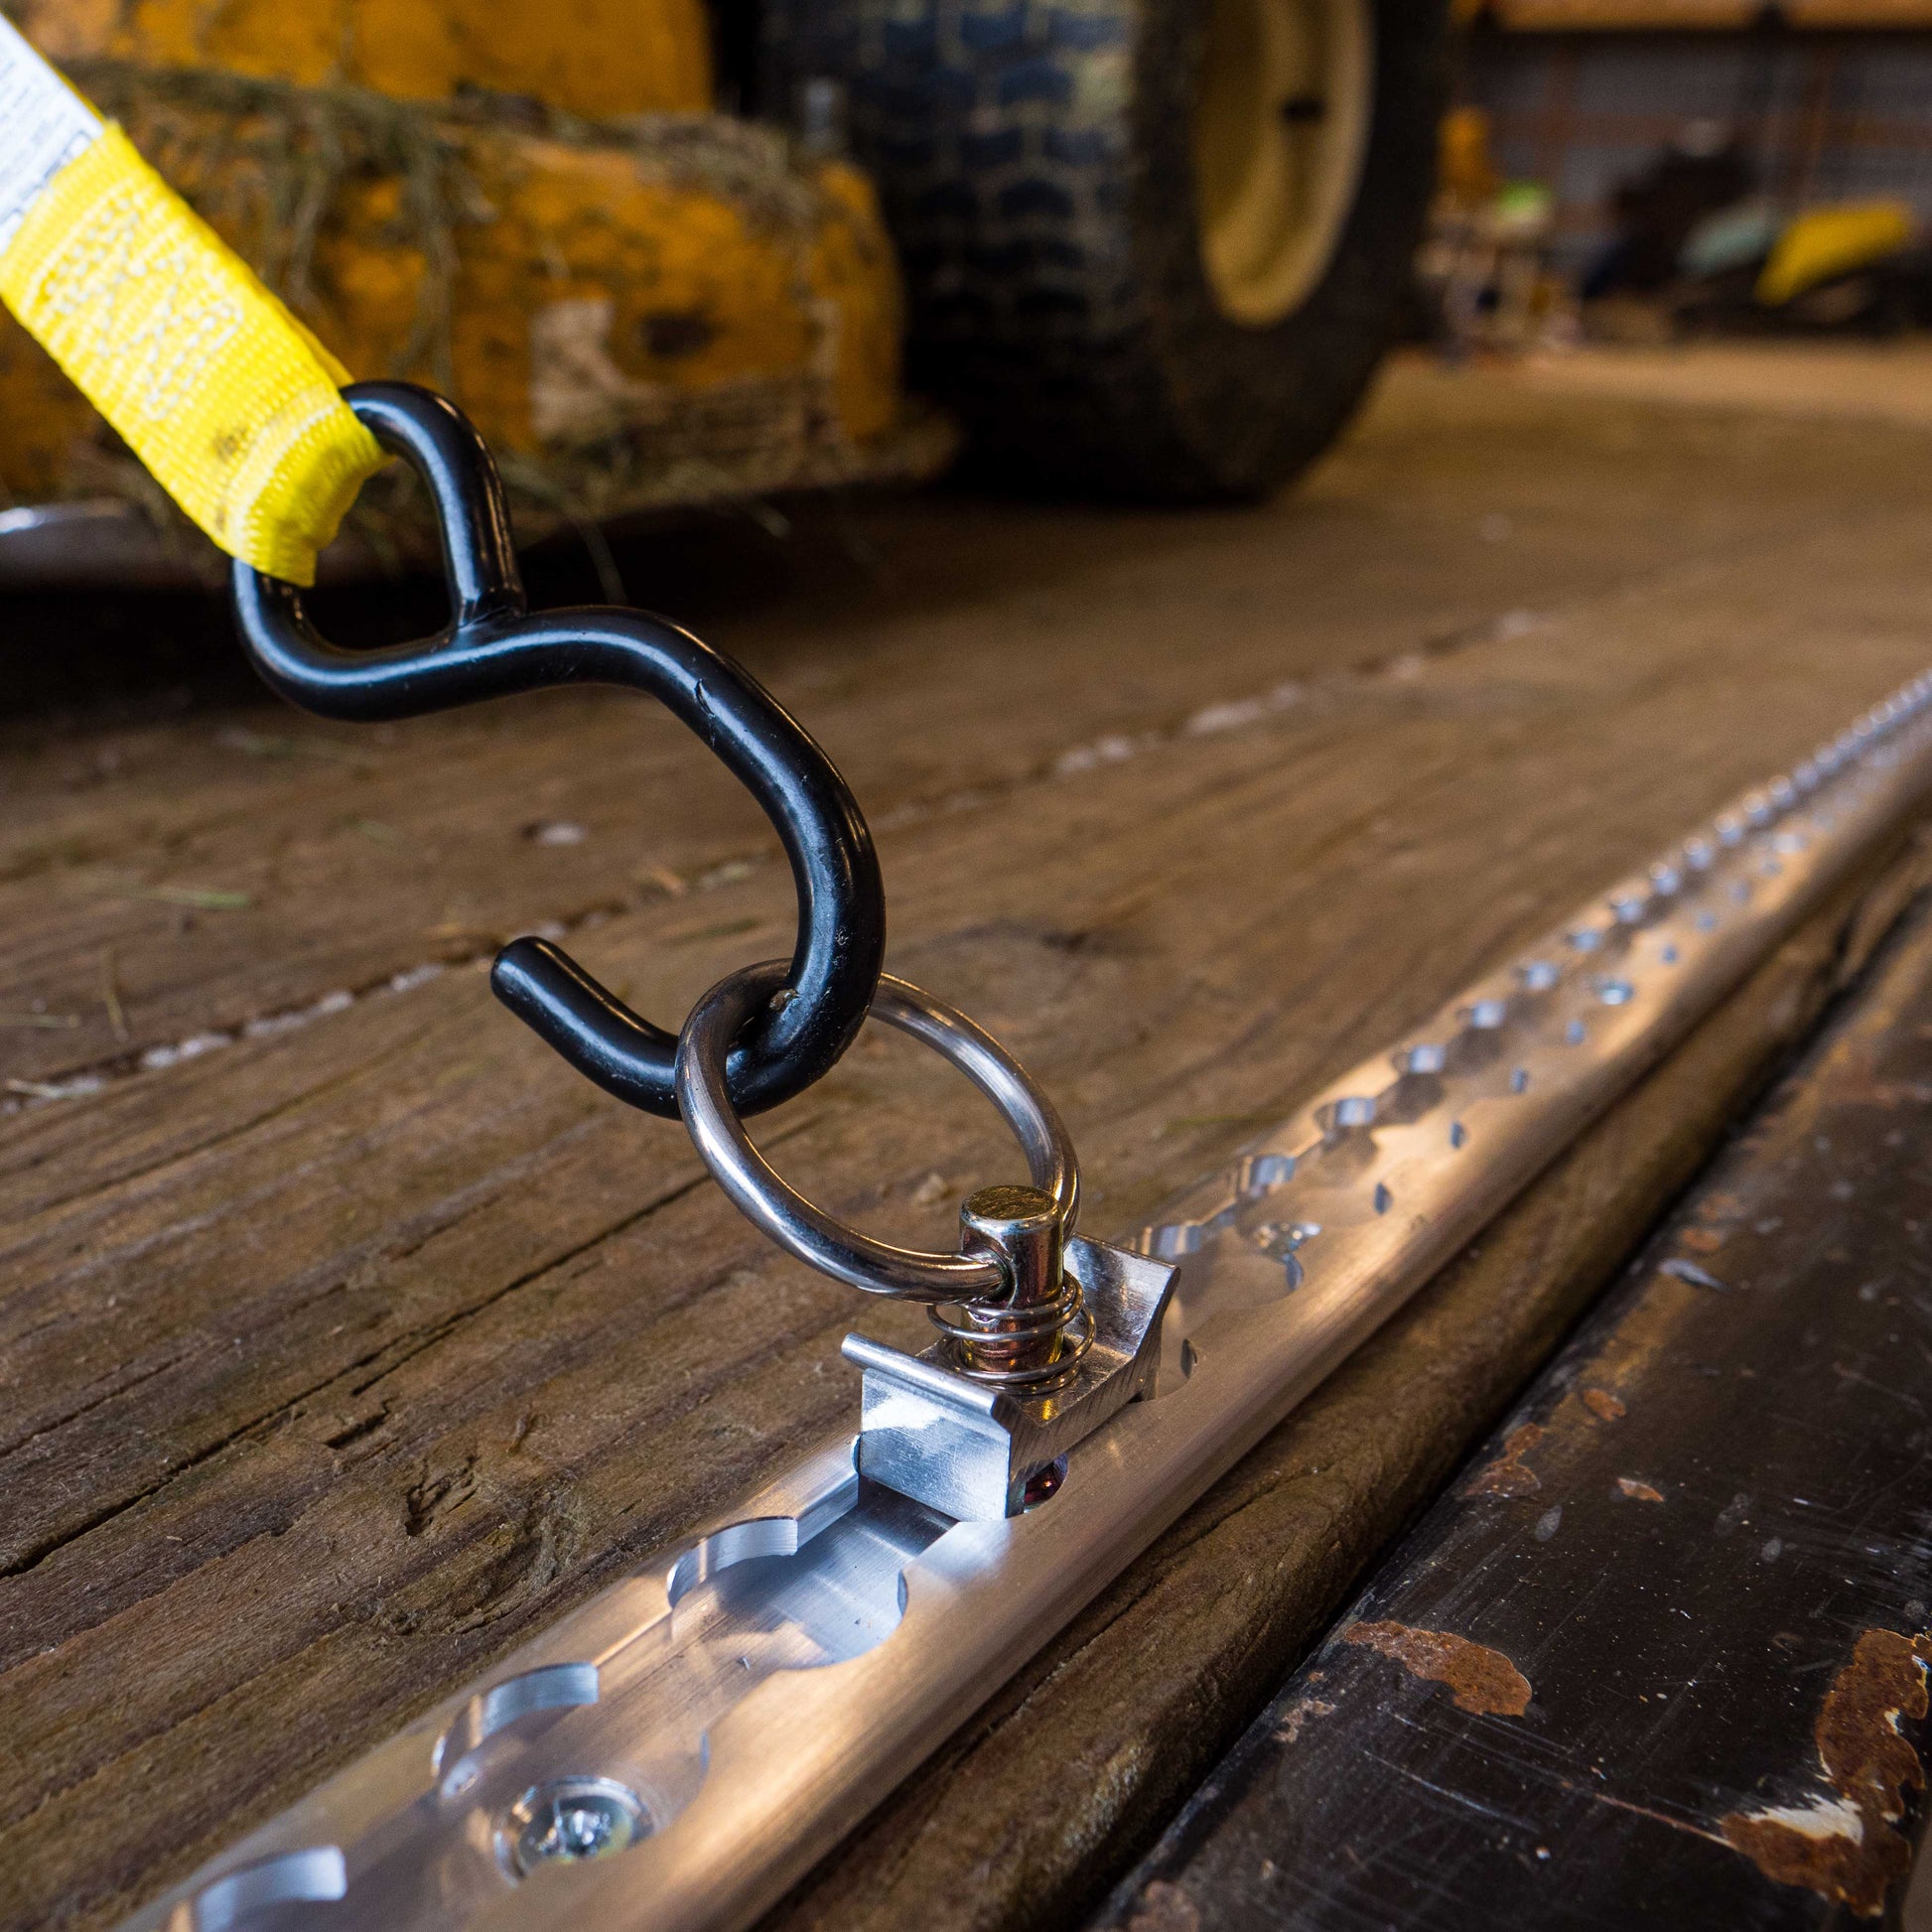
<point x="1281" y="127"/>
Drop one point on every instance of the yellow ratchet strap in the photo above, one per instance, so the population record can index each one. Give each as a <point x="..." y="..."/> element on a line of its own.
<point x="210" y="380"/>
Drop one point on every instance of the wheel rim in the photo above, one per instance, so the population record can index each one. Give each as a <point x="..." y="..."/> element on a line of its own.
<point x="1281" y="127"/>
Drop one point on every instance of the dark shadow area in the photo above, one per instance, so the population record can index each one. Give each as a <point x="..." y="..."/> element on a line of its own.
<point x="104" y="656"/>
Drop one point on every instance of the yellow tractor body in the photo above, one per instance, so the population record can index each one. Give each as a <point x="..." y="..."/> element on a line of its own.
<point x="1141" y="248"/>
<point x="638" y="301"/>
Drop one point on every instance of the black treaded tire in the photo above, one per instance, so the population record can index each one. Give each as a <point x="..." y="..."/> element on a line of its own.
<point x="1034" y="158"/>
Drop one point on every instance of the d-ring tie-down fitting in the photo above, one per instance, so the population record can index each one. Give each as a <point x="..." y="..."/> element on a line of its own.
<point x="1023" y="1323"/>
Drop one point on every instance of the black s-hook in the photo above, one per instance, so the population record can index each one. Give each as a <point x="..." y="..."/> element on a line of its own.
<point x="492" y="646"/>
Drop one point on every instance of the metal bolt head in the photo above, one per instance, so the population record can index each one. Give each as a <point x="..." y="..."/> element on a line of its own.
<point x="1021" y="1228"/>
<point x="1043" y="1484"/>
<point x="1005" y="1213"/>
<point x="568" y="1821"/>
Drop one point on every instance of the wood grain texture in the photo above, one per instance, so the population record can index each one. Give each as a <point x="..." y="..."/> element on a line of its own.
<point x="1709" y="1565"/>
<point x="343" y="1342"/>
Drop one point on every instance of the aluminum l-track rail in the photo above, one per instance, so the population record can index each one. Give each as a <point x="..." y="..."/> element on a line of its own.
<point x="711" y="1726"/>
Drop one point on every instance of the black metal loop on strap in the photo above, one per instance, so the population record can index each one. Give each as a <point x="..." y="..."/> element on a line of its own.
<point x="495" y="646"/>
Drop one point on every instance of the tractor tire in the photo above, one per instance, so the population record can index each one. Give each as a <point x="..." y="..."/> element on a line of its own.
<point x="1154" y="250"/>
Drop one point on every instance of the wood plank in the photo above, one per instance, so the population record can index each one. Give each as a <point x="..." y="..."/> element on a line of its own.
<point x="366" y="855"/>
<point x="338" y="1360"/>
<point x="1596" y="16"/>
<point x="1681" y="1599"/>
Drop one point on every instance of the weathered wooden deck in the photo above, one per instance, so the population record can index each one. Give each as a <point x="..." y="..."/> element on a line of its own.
<point x="346" y="1336"/>
<point x="1659" y="1658"/>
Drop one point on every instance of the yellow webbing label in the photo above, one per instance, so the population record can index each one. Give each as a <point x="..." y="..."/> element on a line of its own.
<point x="210" y="380"/>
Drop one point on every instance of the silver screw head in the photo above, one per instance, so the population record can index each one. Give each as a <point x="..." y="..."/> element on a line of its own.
<point x="1010" y="1212"/>
<point x="1022" y="1226"/>
<point x="569" y="1820"/>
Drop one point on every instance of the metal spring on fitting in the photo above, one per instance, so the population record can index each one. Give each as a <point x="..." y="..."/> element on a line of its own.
<point x="1037" y="1355"/>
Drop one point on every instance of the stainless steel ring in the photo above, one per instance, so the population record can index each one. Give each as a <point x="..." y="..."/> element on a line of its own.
<point x="878" y="1267"/>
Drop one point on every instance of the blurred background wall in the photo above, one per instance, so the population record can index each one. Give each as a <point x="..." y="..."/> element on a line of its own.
<point x="1825" y="115"/>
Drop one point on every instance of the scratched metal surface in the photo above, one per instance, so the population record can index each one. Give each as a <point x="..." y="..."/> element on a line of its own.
<point x="1660" y="1656"/>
